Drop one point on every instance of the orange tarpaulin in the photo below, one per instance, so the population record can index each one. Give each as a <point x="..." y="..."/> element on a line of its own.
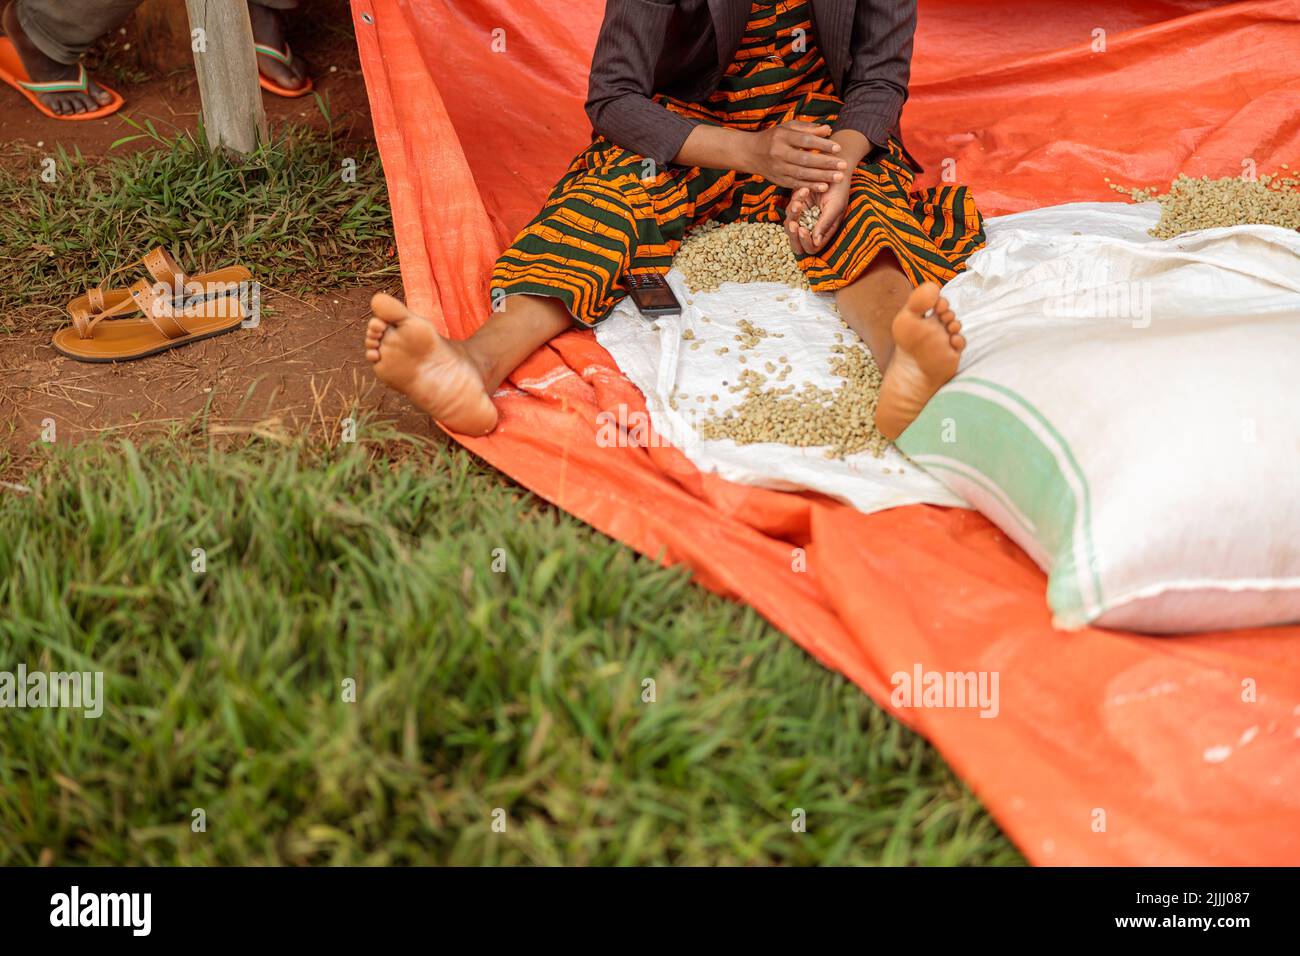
<point x="1106" y="747"/>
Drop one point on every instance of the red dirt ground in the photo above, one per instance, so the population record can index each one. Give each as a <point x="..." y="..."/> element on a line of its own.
<point x="302" y="367"/>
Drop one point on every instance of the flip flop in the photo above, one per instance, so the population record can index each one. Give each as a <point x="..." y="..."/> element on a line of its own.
<point x="14" y="73"/>
<point x="198" y="307"/>
<point x="286" y="58"/>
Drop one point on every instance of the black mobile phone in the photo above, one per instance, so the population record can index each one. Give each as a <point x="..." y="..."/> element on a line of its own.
<point x="652" y="295"/>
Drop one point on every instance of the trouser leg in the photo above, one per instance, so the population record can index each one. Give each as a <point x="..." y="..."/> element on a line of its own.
<point x="65" y="29"/>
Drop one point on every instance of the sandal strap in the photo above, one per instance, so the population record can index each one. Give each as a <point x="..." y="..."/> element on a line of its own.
<point x="86" y="317"/>
<point x="164" y="269"/>
<point x="80" y="85"/>
<point x="286" y="57"/>
<point x="82" y="321"/>
<point x="157" y="308"/>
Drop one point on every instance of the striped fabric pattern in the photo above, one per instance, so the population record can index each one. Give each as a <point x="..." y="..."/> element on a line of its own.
<point x="615" y="213"/>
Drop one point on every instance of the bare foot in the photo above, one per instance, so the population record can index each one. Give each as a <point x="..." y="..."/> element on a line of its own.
<point x="927" y="346"/>
<point x="435" y="373"/>
<point x="41" y="69"/>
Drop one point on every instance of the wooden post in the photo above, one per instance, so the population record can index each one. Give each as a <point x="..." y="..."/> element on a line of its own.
<point x="227" y="67"/>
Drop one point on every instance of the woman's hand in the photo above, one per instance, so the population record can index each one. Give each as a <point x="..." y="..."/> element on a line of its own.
<point x="797" y="155"/>
<point x="834" y="204"/>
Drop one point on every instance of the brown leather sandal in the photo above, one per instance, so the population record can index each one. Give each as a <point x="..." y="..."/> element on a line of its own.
<point x="177" y="310"/>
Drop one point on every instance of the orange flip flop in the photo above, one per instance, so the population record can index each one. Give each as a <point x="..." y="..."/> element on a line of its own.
<point x="177" y="310"/>
<point x="14" y="73"/>
<point x="285" y="57"/>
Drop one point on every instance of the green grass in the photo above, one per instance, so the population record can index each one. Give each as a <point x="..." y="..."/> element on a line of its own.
<point x="476" y="690"/>
<point x="304" y="212"/>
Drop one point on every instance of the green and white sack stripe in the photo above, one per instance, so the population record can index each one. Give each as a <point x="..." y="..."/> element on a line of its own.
<point x="982" y="434"/>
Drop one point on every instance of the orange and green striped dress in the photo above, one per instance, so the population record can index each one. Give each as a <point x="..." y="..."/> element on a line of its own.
<point x="607" y="218"/>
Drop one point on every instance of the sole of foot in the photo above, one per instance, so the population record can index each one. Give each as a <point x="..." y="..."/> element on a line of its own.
<point x="41" y="69"/>
<point x="927" y="347"/>
<point x="436" y="373"/>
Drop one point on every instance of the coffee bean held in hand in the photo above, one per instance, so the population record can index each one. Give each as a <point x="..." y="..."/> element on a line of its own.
<point x="810" y="217"/>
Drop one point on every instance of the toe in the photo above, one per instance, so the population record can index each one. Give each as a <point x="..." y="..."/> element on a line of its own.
<point x="281" y="75"/>
<point x="387" y="310"/>
<point x="372" y="355"/>
<point x="922" y="299"/>
<point x="958" y="342"/>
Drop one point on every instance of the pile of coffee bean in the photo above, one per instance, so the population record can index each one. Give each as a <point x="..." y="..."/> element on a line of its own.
<point x="738" y="252"/>
<point x="842" y="418"/>
<point x="1207" y="203"/>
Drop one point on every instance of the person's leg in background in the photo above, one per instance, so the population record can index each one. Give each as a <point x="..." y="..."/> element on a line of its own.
<point x="51" y="36"/>
<point x="268" y="18"/>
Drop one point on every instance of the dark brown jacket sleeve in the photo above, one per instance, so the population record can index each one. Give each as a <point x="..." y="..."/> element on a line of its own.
<point x="881" y="62"/>
<point x="622" y="74"/>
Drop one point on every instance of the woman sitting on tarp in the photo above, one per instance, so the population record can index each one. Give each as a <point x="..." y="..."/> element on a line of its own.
<point x="723" y="110"/>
